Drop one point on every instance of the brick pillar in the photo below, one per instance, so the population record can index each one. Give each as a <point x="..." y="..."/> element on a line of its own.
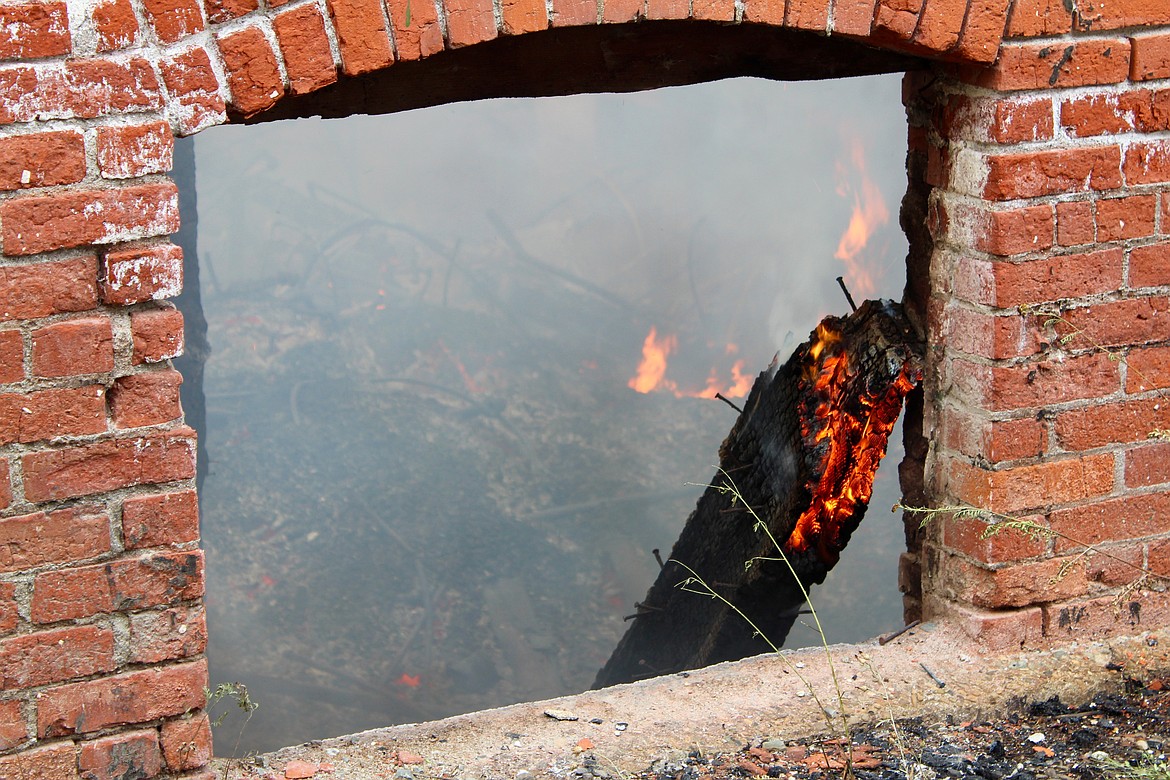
<point x="1049" y="323"/>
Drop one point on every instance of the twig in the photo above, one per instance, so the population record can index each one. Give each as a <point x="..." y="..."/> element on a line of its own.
<point x="725" y="400"/>
<point x="891" y="637"/>
<point x="844" y="289"/>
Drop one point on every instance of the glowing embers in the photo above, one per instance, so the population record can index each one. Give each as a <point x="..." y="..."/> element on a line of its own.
<point x="651" y="373"/>
<point x="845" y="429"/>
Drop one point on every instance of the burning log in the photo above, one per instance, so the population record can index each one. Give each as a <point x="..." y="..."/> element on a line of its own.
<point x="802" y="455"/>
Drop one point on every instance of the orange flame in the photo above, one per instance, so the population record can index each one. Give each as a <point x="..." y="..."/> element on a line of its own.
<point x="653" y="365"/>
<point x="869" y="212"/>
<point x="651" y="373"/>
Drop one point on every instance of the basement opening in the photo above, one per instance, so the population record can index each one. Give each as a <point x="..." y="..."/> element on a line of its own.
<point x="459" y="376"/>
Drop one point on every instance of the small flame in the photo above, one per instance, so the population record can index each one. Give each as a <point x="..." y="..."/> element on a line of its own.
<point x="651" y="373"/>
<point x="869" y="212"/>
<point x="653" y="365"/>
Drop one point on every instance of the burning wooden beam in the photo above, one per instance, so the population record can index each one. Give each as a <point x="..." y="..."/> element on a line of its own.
<point x="802" y="455"/>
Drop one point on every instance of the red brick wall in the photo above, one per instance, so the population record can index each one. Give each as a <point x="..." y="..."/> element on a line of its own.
<point x="1038" y="212"/>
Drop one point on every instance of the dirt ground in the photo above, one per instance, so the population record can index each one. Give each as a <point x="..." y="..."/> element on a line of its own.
<point x="1053" y="713"/>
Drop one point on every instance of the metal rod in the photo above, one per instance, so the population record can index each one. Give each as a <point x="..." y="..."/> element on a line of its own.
<point x="932" y="676"/>
<point x="724" y="399"/>
<point x="891" y="637"/>
<point x="844" y="289"/>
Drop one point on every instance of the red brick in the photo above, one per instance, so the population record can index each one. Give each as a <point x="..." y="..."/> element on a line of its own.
<point x="1116" y="323"/>
<point x="55" y="656"/>
<point x="618" y="10"/>
<point x="1045" y="65"/>
<point x="61" y="536"/>
<point x="126" y="152"/>
<point x="115" y="24"/>
<point x="521" y="16"/>
<point x="32" y="30"/>
<point x="174" y="20"/>
<point x="69" y="219"/>
<point x="940" y="25"/>
<point x="764" y="11"/>
<point x="721" y="11"/>
<point x="995" y="440"/>
<point x="305" y="48"/>
<point x="1003" y="388"/>
<point x="1112" y="14"/>
<point x="1047" y="278"/>
<point x="1122" y="422"/>
<point x="5" y="499"/>
<point x="988" y="335"/>
<point x="1092" y="115"/>
<point x="73" y="348"/>
<point x="1151" y="57"/>
<point x="1032" y="18"/>
<point x="252" y="71"/>
<point x="983" y="30"/>
<point x="141" y="274"/>
<point x="129" y="754"/>
<point x="11" y="355"/>
<point x="971" y="537"/>
<point x="1033" y="174"/>
<point x="1102" y="617"/>
<point x="1128" y="217"/>
<point x="1002" y="121"/>
<point x="1159" y="558"/>
<point x="471" y="21"/>
<point x="1149" y="465"/>
<point x="123" y="585"/>
<point x="134" y="697"/>
<point x="97" y="87"/>
<point x="1075" y="223"/>
<point x="423" y="36"/>
<point x="150" y="398"/>
<point x="108" y="465"/>
<point x="186" y="742"/>
<point x="1147" y="163"/>
<point x="1013" y="585"/>
<point x="853" y="17"/>
<point x="158" y="334"/>
<point x="9" y="619"/>
<point x="42" y="289"/>
<point x="46" y="414"/>
<point x="992" y="630"/>
<point x="160" y="520"/>
<point x="1148" y="369"/>
<point x="12" y="729"/>
<point x="167" y="634"/>
<point x="26" y="94"/>
<point x="41" y="159"/>
<point x="895" y="19"/>
<point x="39" y="763"/>
<point x="802" y="14"/>
<point x="195" y="101"/>
<point x="1149" y="266"/>
<point x="223" y="10"/>
<point x="1002" y="232"/>
<point x="361" y="35"/>
<point x="1014" y="489"/>
<point x="569" y="13"/>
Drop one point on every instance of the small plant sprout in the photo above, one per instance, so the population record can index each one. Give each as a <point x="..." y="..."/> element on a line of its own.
<point x="231" y="691"/>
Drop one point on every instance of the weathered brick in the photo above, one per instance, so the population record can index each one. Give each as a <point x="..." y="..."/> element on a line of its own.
<point x="252" y="71"/>
<point x="1005" y="388"/>
<point x="219" y="11"/>
<point x="160" y="520"/>
<point x="616" y="11"/>
<point x="131" y="754"/>
<point x="1147" y="163"/>
<point x="141" y="274"/>
<point x="1032" y="18"/>
<point x="5" y="494"/>
<point x="1116" y="323"/>
<point x="940" y="25"/>
<point x="194" y="89"/>
<point x="1113" y="14"/>
<point x="986" y="543"/>
<point x="423" y="36"/>
<point x="26" y="94"/>
<point x="993" y="630"/>
<point x="1120" y="422"/>
<point x="1149" y="465"/>
<point x="1015" y="584"/>
<point x="361" y="35"/>
<point x="9" y="619"/>
<point x="41" y="159"/>
<point x="60" y="536"/>
<point x="11" y="356"/>
<point x="1149" y="266"/>
<point x="49" y="761"/>
<point x="115" y="24"/>
<point x="134" y="697"/>
<point x="1128" y="217"/>
<point x="853" y="17"/>
<point x="1033" y="174"/>
<point x="97" y="87"/>
<point x="895" y="19"/>
<point x="149" y="398"/>
<point x="471" y="21"/>
<point x="1148" y="369"/>
<point x="42" y="289"/>
<point x="983" y="30"/>
<point x="1075" y="223"/>
<point x="1003" y="232"/>
<point x="55" y="656"/>
<point x="108" y="465"/>
<point x="73" y="348"/>
<point x="186" y="742"/>
<point x="126" y="152"/>
<point x="174" y="20"/>
<point x="569" y="13"/>
<point x="1044" y="65"/>
<point x="127" y="584"/>
<point x="988" y="335"/>
<point x="1151" y="56"/>
<point x="45" y="414"/>
<point x="1098" y="618"/>
<point x="158" y="635"/>
<point x="801" y="14"/>
<point x="1015" y="489"/>
<point x="157" y="333"/>
<point x="521" y="16"/>
<point x="32" y="30"/>
<point x="12" y="728"/>
<point x="998" y="120"/>
<point x="305" y="48"/>
<point x="68" y="219"/>
<point x="994" y="440"/>
<point x="1046" y="278"/>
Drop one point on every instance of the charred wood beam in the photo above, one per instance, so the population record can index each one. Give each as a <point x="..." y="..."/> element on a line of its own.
<point x="802" y="455"/>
